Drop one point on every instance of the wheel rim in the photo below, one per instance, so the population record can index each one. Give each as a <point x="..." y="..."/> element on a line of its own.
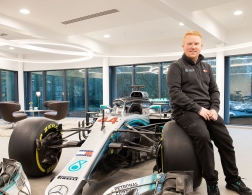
<point x="46" y="157"/>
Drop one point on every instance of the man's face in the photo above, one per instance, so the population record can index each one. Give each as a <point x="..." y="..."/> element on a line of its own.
<point x="192" y="46"/>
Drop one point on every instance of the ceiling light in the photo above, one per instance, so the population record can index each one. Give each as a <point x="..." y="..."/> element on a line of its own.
<point x="106" y="36"/>
<point x="237" y="12"/>
<point x="24" y="11"/>
<point x="181" y="24"/>
<point x="11" y="48"/>
<point x="85" y="54"/>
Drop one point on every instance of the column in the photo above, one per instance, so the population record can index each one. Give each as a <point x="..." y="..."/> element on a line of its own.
<point x="21" y="82"/>
<point x="105" y="66"/>
<point x="220" y="75"/>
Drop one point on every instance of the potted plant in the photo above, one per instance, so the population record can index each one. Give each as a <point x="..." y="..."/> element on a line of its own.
<point x="30" y="103"/>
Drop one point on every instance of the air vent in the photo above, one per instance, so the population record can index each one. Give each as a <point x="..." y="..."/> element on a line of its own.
<point x="90" y="16"/>
<point x="3" y="34"/>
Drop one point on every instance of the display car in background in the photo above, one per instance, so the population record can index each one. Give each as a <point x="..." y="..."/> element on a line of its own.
<point x="119" y="136"/>
<point x="13" y="179"/>
<point x="240" y="106"/>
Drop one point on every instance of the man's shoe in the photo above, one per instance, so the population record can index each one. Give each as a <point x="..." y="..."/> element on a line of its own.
<point x="212" y="188"/>
<point x="239" y="187"/>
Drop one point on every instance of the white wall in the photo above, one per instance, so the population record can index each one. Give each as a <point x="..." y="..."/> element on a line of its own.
<point x="6" y="64"/>
<point x="169" y="49"/>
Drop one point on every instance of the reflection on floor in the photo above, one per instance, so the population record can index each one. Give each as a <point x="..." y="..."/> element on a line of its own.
<point x="242" y="142"/>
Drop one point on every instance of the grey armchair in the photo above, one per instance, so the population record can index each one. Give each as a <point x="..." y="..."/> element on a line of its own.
<point x="57" y="109"/>
<point x="10" y="112"/>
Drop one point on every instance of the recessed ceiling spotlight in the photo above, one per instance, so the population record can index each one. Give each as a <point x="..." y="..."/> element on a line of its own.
<point x="106" y="36"/>
<point x="11" y="48"/>
<point x="24" y="11"/>
<point x="238" y="12"/>
<point x="181" y="24"/>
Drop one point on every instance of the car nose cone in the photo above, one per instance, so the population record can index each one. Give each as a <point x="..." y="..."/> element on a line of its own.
<point x="58" y="190"/>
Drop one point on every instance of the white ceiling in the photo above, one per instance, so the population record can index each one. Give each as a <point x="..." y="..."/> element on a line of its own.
<point x="138" y="21"/>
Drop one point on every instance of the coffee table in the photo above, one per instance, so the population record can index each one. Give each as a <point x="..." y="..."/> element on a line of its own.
<point x="33" y="111"/>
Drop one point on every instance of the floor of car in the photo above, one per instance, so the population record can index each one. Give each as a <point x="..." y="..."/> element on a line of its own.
<point x="242" y="137"/>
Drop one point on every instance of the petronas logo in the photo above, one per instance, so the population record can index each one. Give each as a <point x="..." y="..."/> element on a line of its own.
<point x="77" y="165"/>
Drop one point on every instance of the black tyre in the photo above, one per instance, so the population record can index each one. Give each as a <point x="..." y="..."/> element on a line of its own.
<point x="29" y="144"/>
<point x="179" y="152"/>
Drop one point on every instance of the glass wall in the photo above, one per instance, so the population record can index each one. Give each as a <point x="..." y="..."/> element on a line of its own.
<point x="147" y="75"/>
<point x="240" y="103"/>
<point x="164" y="90"/>
<point x="75" y="88"/>
<point x="54" y="85"/>
<point x="8" y="85"/>
<point x="212" y="62"/>
<point x="37" y="86"/>
<point x="66" y="85"/>
<point x="95" y="89"/>
<point x="123" y="81"/>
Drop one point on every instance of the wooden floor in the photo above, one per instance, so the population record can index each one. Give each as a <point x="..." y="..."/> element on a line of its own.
<point x="242" y="137"/>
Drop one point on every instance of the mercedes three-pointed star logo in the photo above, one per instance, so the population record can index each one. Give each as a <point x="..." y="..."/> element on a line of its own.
<point x="59" y="189"/>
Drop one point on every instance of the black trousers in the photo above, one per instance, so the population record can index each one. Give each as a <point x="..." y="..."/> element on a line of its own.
<point x="202" y="132"/>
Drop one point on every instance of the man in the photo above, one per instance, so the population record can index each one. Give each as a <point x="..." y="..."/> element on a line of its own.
<point x="194" y="97"/>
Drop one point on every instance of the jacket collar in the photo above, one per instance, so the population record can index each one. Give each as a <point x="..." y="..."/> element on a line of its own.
<point x="188" y="60"/>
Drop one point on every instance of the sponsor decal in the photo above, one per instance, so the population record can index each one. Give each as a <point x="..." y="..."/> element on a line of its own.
<point x="67" y="178"/>
<point x="77" y="165"/>
<point x="123" y="189"/>
<point x="48" y="127"/>
<point x="59" y="189"/>
<point x="112" y="120"/>
<point x="85" y="153"/>
<point x="51" y="168"/>
<point x="189" y="70"/>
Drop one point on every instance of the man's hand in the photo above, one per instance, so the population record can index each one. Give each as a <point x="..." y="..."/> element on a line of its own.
<point x="205" y="113"/>
<point x="213" y="115"/>
<point x="208" y="114"/>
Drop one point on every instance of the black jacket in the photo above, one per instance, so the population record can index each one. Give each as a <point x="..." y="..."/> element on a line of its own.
<point x="192" y="86"/>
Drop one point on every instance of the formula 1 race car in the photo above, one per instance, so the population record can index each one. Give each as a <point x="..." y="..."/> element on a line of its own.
<point x="128" y="133"/>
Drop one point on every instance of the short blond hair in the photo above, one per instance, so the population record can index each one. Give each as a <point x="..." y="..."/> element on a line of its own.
<point x="192" y="32"/>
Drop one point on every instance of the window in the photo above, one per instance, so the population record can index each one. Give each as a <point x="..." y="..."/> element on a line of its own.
<point x="147" y="75"/>
<point x="164" y="92"/>
<point x="212" y="62"/>
<point x="95" y="88"/>
<point x="8" y="85"/>
<point x="76" y="92"/>
<point x="123" y="80"/>
<point x="37" y="82"/>
<point x="54" y="85"/>
<point x="240" y="103"/>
